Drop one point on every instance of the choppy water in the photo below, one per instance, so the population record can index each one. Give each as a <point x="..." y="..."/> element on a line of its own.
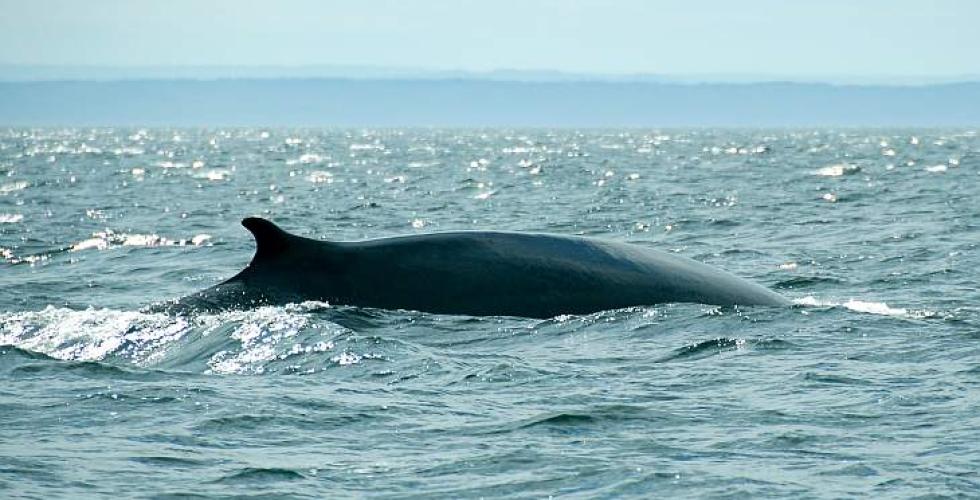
<point x="869" y="386"/>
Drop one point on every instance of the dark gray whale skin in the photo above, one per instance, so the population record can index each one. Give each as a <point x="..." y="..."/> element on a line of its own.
<point x="478" y="273"/>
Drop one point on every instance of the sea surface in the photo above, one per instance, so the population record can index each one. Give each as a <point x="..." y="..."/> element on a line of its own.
<point x="868" y="386"/>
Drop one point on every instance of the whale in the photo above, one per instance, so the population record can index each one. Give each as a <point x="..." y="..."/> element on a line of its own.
<point x="476" y="273"/>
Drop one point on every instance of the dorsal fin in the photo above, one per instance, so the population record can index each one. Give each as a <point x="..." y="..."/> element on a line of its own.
<point x="270" y="241"/>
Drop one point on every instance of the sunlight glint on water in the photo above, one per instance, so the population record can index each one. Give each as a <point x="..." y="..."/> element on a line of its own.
<point x="865" y="387"/>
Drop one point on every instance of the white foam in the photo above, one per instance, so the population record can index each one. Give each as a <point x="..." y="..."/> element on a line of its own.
<point x="217" y="174"/>
<point x="91" y="334"/>
<point x="13" y="186"/>
<point x="97" y="243"/>
<point x="107" y="239"/>
<point x="320" y="176"/>
<point x="306" y="159"/>
<point x="837" y="170"/>
<point x="867" y="307"/>
<point x="879" y="308"/>
<point x="347" y="358"/>
<point x="265" y="334"/>
<point x="200" y="239"/>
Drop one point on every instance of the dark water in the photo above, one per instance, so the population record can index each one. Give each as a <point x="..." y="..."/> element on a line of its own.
<point x="869" y="386"/>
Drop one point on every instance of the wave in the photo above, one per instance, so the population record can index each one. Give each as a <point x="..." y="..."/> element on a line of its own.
<point x="260" y="475"/>
<point x="90" y="334"/>
<point x="308" y="338"/>
<point x="106" y="240"/>
<point x="572" y="419"/>
<point x="805" y="282"/>
<point x="233" y="342"/>
<point x="712" y="347"/>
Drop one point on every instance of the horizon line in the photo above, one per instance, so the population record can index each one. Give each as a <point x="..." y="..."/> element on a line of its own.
<point x="31" y="72"/>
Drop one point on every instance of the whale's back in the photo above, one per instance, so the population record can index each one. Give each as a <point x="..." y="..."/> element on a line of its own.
<point x="537" y="275"/>
<point x="485" y="273"/>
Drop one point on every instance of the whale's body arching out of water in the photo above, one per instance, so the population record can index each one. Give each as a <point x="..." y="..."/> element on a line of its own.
<point x="479" y="273"/>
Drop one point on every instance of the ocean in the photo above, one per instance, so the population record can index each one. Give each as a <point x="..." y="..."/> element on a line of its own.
<point x="868" y="386"/>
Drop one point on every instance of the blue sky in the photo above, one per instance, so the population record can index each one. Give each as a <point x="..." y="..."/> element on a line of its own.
<point x="854" y="38"/>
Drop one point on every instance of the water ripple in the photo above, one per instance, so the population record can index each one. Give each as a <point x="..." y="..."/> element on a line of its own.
<point x="864" y="388"/>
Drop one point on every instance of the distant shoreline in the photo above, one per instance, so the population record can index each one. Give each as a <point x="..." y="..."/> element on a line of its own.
<point x="465" y="102"/>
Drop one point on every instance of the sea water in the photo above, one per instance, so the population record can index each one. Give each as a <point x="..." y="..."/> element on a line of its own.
<point x="868" y="386"/>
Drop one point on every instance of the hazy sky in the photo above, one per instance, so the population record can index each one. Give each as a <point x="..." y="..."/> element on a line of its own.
<point x="681" y="37"/>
